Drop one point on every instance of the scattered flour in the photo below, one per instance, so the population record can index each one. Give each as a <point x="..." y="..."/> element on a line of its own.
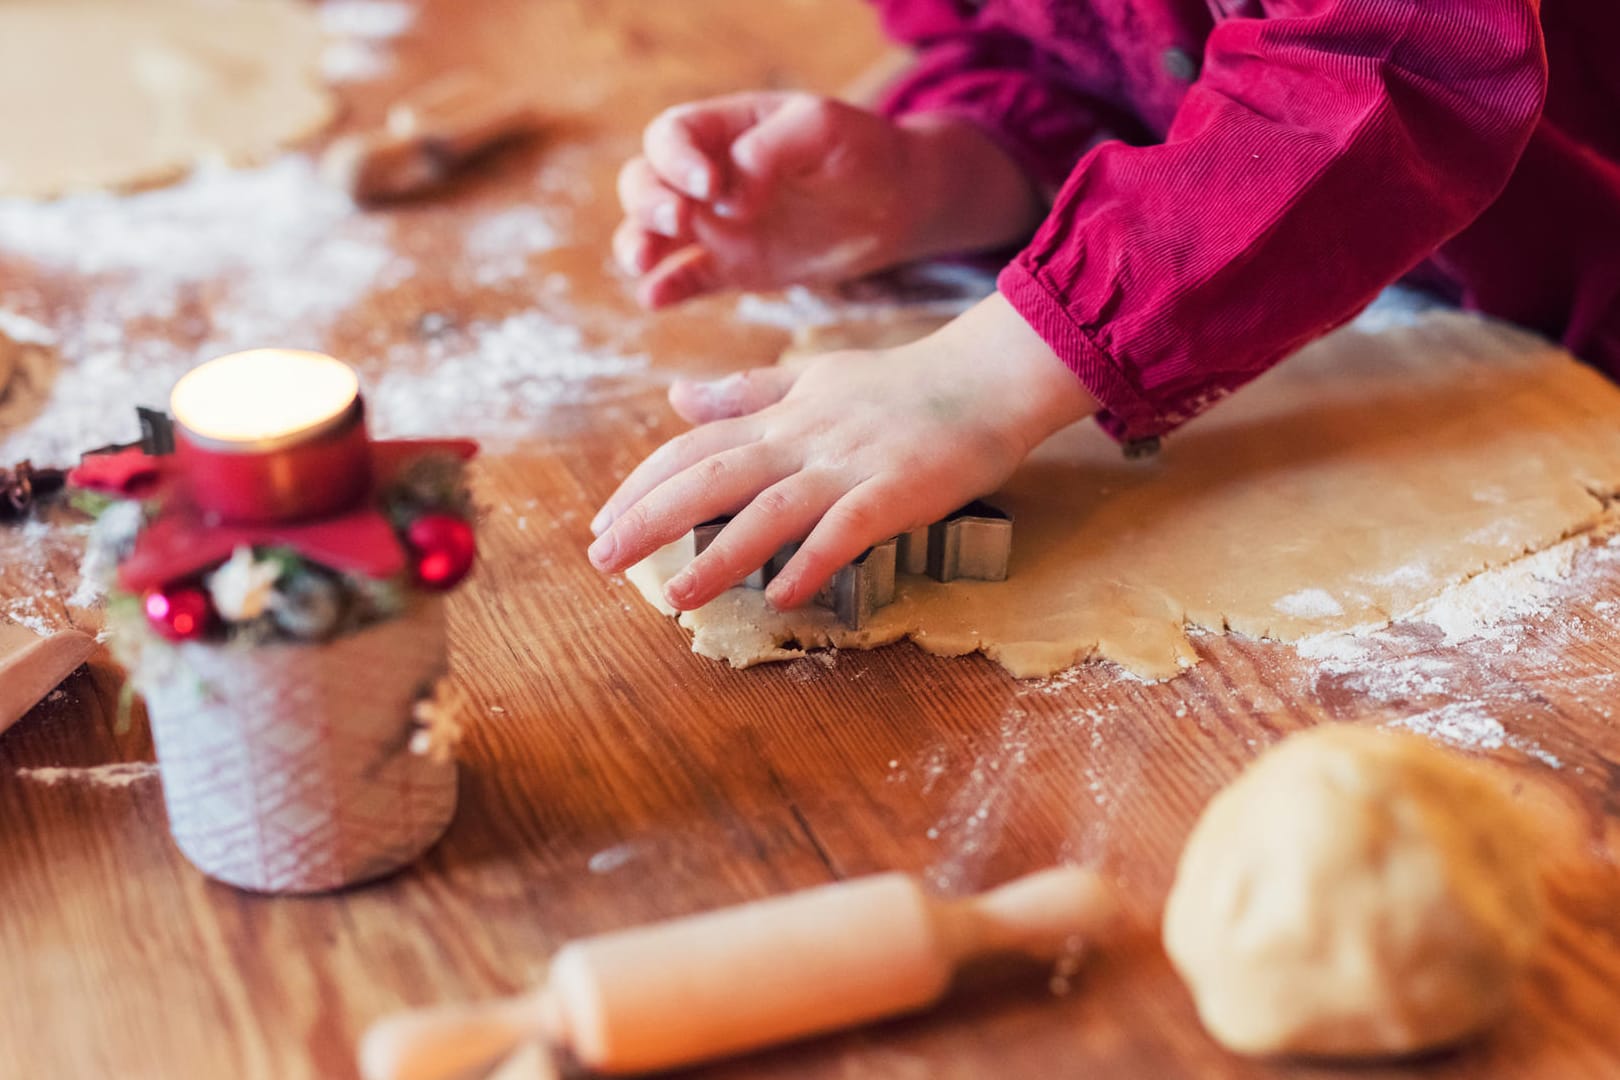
<point x="976" y="815"/>
<point x="1379" y="676"/>
<point x="1463" y="696"/>
<point x="360" y="33"/>
<point x="369" y="19"/>
<point x="610" y="859"/>
<point x="928" y="289"/>
<point x="500" y="379"/>
<point x="25" y="331"/>
<point x="799" y="307"/>
<point x="1480" y="607"/>
<point x="1411" y="576"/>
<point x="227" y="259"/>
<point x="350" y="61"/>
<point x="1060" y="683"/>
<point x="498" y="245"/>
<point x="24" y="611"/>
<point x="1465" y="725"/>
<point x="1309" y="604"/>
<point x="119" y="775"/>
<point x="1333" y="649"/>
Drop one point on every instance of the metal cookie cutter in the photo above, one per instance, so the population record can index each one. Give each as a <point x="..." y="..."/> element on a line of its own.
<point x="858" y="590"/>
<point x="975" y="543"/>
<point x="854" y="593"/>
<point x="703" y="535"/>
<point x="913" y="554"/>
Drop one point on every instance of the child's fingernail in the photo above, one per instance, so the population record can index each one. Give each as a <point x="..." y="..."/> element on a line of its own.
<point x="600" y="521"/>
<point x="601" y="553"/>
<point x="777" y="594"/>
<point x="699" y="182"/>
<point x="627" y="253"/>
<point x="666" y="218"/>
<point x="678" y="588"/>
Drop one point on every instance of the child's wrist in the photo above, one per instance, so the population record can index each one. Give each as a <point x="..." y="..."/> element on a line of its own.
<point x="963" y="192"/>
<point x="1046" y="395"/>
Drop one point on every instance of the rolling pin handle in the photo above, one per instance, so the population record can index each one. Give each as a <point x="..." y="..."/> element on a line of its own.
<point x="1043" y="915"/>
<point x="450" y="1042"/>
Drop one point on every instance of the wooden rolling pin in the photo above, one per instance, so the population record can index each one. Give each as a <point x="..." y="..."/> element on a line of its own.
<point x="32" y="665"/>
<point x="716" y="984"/>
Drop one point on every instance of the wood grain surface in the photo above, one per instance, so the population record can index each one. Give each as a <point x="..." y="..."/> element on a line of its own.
<point x="612" y="777"/>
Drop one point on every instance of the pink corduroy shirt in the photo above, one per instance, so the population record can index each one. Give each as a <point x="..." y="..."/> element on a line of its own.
<point x="1232" y="178"/>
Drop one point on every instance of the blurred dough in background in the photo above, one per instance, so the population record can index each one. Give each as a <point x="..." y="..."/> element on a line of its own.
<point x="124" y="93"/>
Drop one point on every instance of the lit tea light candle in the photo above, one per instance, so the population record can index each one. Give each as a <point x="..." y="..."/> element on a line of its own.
<point x="272" y="435"/>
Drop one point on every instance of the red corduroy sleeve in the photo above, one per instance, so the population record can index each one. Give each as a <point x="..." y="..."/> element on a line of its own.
<point x="1001" y="83"/>
<point x="1325" y="150"/>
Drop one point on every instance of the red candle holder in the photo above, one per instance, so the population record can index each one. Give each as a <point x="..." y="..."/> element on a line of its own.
<point x="271" y="436"/>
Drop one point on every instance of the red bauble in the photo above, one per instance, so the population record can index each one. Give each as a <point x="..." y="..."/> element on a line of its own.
<point x="180" y="612"/>
<point x="444" y="548"/>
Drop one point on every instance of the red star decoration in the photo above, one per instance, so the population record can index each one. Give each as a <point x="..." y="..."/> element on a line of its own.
<point x="181" y="543"/>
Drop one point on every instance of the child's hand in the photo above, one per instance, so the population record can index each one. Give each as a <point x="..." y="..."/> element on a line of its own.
<point x="850" y="449"/>
<point x="764" y="189"/>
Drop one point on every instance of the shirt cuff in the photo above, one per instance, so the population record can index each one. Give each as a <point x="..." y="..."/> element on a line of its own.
<point x="1127" y="413"/>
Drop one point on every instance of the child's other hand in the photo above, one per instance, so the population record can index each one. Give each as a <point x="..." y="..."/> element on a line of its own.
<point x="844" y="451"/>
<point x="763" y="189"/>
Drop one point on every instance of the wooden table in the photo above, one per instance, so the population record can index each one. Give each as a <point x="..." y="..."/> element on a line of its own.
<point x="613" y="777"/>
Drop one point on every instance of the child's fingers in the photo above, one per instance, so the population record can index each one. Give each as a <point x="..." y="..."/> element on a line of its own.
<point x="674" y="456"/>
<point x="687" y="273"/>
<point x="870" y="513"/>
<point x="708" y="489"/>
<point x="707" y="400"/>
<point x="780" y="514"/>
<point x="795" y="139"/>
<point x="648" y="201"/>
<point x="631" y="246"/>
<point x="637" y="251"/>
<point x="688" y="145"/>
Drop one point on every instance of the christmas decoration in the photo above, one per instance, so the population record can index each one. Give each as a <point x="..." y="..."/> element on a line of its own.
<point x="309" y="605"/>
<point x="438" y="724"/>
<point x="243" y="587"/>
<point x="285" y="624"/>
<point x="304" y="580"/>
<point x="23" y="485"/>
<point x="179" y="613"/>
<point x="444" y="548"/>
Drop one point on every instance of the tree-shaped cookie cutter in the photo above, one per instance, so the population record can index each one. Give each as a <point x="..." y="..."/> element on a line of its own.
<point x="973" y="543"/>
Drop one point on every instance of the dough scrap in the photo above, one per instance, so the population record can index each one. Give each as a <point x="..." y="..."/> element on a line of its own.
<point x="27" y="371"/>
<point x="9" y="351"/>
<point x="1355" y="893"/>
<point x="120" y="93"/>
<point x="1343" y="489"/>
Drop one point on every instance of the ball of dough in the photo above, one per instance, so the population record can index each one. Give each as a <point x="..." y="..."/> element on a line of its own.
<point x="1355" y="893"/>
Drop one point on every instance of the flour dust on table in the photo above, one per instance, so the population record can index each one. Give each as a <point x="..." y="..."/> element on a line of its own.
<point x="1350" y="486"/>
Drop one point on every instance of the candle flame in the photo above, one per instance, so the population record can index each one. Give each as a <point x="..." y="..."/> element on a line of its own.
<point x="263" y="395"/>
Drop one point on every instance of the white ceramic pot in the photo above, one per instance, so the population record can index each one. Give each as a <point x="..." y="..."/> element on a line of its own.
<point x="287" y="769"/>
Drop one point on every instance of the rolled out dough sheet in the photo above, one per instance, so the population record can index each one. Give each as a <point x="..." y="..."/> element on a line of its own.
<point x="116" y="93"/>
<point x="1343" y="489"/>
